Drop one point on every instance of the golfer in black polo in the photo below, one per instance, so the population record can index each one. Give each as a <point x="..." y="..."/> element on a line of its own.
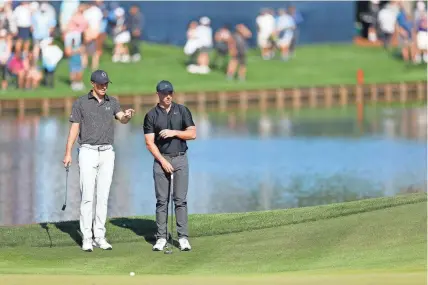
<point x="167" y="127"/>
<point x="92" y="119"/>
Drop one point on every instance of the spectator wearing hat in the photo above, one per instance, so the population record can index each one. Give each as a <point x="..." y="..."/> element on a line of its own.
<point x="121" y="37"/>
<point x="7" y="21"/>
<point x="237" y="46"/>
<point x="94" y="17"/>
<point x="285" y="31"/>
<point x="43" y="27"/>
<point x="204" y="35"/>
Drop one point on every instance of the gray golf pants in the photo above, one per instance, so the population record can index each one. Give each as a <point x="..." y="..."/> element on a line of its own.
<point x="162" y="183"/>
<point x="96" y="172"/>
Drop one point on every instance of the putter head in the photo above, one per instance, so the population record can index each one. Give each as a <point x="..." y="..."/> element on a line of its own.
<point x="63" y="207"/>
<point x="168" y="251"/>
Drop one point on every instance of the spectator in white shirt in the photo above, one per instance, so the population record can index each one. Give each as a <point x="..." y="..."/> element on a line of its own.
<point x="94" y="17"/>
<point x="5" y="52"/>
<point x="204" y="35"/>
<point x="285" y="31"/>
<point x="7" y="21"/>
<point x="51" y="55"/>
<point x="265" y="29"/>
<point x="387" y="19"/>
<point x="22" y="16"/>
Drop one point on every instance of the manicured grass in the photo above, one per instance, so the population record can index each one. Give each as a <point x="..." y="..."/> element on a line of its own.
<point x="314" y="65"/>
<point x="381" y="238"/>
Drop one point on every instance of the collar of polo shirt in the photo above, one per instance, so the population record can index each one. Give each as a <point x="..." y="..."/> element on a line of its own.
<point x="90" y="96"/>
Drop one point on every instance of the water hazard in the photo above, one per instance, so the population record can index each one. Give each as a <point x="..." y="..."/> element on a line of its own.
<point x="260" y="162"/>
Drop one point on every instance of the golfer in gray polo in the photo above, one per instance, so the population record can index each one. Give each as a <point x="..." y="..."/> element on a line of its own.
<point x="92" y="120"/>
<point x="167" y="127"/>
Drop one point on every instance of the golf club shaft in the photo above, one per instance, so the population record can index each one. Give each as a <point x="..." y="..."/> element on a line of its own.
<point x="172" y="210"/>
<point x="66" y="187"/>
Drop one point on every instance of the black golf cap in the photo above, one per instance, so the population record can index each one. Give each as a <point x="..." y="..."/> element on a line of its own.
<point x="100" y="77"/>
<point x="164" y="87"/>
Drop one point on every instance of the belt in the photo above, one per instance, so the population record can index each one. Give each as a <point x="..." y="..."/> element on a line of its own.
<point x="174" y="154"/>
<point x="97" y="147"/>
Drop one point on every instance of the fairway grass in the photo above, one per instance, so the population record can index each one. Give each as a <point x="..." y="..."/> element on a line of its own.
<point x="362" y="278"/>
<point x="381" y="239"/>
<point x="314" y="65"/>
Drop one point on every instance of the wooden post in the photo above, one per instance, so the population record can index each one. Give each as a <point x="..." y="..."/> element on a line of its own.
<point x="201" y="102"/>
<point x="312" y="97"/>
<point x="403" y="92"/>
<point x="328" y="102"/>
<point x="263" y="101"/>
<point x="21" y="108"/>
<point x="222" y="101"/>
<point x="1" y="107"/>
<point x="181" y="98"/>
<point x="67" y="106"/>
<point x="45" y="107"/>
<point x="420" y="91"/>
<point x="136" y="100"/>
<point x="243" y="101"/>
<point x="343" y="96"/>
<point x="297" y="100"/>
<point x="373" y="93"/>
<point x="280" y="95"/>
<point x="360" y="102"/>
<point x="388" y="93"/>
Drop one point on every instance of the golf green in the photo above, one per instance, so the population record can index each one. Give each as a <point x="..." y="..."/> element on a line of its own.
<point x="373" y="241"/>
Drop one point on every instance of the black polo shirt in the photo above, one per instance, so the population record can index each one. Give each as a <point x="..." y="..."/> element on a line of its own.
<point x="96" y="119"/>
<point x="178" y="118"/>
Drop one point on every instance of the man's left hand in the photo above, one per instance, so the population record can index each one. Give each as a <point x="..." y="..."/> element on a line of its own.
<point x="167" y="133"/>
<point x="129" y="113"/>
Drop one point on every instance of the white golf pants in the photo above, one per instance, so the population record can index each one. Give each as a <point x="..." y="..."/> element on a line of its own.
<point x="96" y="164"/>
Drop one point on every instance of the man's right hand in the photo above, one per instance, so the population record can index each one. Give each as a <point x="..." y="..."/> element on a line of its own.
<point x="167" y="166"/>
<point x="67" y="160"/>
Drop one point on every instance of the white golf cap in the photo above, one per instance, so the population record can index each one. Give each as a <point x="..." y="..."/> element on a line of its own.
<point x="119" y="12"/>
<point x="205" y="21"/>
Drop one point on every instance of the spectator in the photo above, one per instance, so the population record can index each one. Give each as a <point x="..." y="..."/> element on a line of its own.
<point x="5" y="52"/>
<point x="422" y="39"/>
<point x="7" y="21"/>
<point x="33" y="74"/>
<point x="204" y="37"/>
<point x="76" y="26"/>
<point x="103" y="29"/>
<point x="18" y="66"/>
<point x="191" y="45"/>
<point x="67" y="10"/>
<point x="265" y="29"/>
<point x="121" y="37"/>
<point x="51" y="55"/>
<point x="237" y="47"/>
<point x="221" y="39"/>
<point x="387" y="19"/>
<point x="94" y="17"/>
<point x="298" y="20"/>
<point x="74" y="53"/>
<point x="22" y="16"/>
<point x="135" y="26"/>
<point x="285" y="29"/>
<point x="43" y="26"/>
<point x="405" y="33"/>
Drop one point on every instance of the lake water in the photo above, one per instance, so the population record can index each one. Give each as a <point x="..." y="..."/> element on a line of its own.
<point x="260" y="162"/>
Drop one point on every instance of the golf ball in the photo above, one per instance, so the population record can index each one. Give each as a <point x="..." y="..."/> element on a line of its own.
<point x="131" y="273"/>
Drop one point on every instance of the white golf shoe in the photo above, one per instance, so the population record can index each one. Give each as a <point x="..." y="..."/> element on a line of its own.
<point x="184" y="244"/>
<point x="87" y="245"/>
<point x="102" y="243"/>
<point x="160" y="244"/>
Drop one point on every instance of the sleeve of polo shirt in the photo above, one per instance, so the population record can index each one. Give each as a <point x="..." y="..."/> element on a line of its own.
<point x="76" y="113"/>
<point x="149" y="126"/>
<point x="187" y="118"/>
<point x="116" y="107"/>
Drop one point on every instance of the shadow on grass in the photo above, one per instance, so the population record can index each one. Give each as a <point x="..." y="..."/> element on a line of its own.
<point x="141" y="227"/>
<point x="72" y="229"/>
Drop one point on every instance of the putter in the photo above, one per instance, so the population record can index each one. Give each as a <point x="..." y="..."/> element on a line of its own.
<point x="170" y="200"/>
<point x="67" y="168"/>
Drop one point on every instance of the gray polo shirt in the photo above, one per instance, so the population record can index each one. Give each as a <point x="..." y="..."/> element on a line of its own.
<point x="96" y="119"/>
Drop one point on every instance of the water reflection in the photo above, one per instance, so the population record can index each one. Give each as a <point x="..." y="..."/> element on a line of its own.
<point x="257" y="162"/>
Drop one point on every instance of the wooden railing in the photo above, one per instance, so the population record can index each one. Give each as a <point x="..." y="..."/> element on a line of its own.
<point x="291" y="98"/>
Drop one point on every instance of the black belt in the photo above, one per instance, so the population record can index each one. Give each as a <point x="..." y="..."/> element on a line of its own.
<point x="174" y="154"/>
